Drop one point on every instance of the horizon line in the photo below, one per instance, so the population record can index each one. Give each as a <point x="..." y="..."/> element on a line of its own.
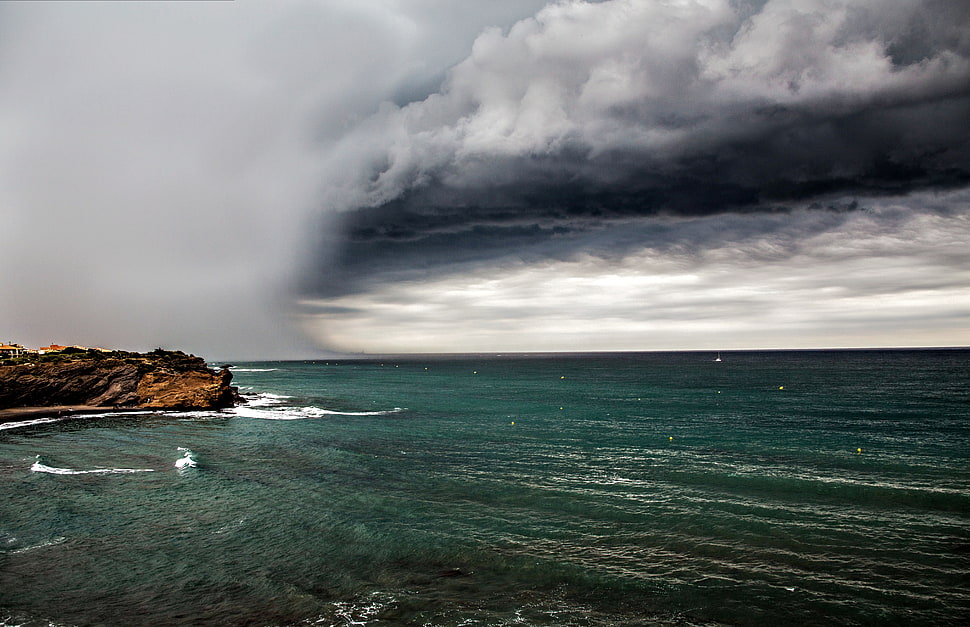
<point x="373" y="356"/>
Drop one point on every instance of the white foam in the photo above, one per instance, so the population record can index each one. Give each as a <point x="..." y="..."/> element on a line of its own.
<point x="231" y="526"/>
<point x="36" y="622"/>
<point x="198" y="414"/>
<point x="265" y="399"/>
<point x="303" y="413"/>
<point x="316" y="411"/>
<point x="361" y="612"/>
<point x="54" y="542"/>
<point x="41" y="421"/>
<point x="40" y="467"/>
<point x="187" y="460"/>
<point x="266" y="414"/>
<point x="254" y="369"/>
<point x="28" y="423"/>
<point x="267" y="406"/>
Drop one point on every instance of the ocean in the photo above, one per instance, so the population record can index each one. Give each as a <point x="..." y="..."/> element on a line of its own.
<point x="784" y="487"/>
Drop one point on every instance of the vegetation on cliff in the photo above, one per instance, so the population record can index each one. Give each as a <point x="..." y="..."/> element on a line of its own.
<point x="157" y="380"/>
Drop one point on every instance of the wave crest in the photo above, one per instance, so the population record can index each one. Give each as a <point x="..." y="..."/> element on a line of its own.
<point x="187" y="460"/>
<point x="39" y="466"/>
<point x="303" y="413"/>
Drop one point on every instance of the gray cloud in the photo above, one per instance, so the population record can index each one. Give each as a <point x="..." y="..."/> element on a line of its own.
<point x="160" y="160"/>
<point x="459" y="175"/>
<point x="555" y="137"/>
<point x="895" y="274"/>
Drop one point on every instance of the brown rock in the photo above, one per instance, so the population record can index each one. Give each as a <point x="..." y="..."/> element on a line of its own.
<point x="156" y="380"/>
<point x="184" y="390"/>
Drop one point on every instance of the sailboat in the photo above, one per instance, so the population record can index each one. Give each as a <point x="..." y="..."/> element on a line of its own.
<point x="718" y="356"/>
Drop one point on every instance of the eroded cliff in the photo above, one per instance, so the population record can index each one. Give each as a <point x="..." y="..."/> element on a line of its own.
<point x="156" y="380"/>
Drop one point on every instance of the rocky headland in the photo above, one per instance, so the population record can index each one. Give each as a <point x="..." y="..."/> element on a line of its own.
<point x="92" y="379"/>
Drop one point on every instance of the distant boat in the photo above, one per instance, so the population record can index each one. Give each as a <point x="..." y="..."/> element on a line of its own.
<point x="718" y="356"/>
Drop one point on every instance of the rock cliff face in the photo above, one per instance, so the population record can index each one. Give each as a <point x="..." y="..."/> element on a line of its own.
<point x="157" y="380"/>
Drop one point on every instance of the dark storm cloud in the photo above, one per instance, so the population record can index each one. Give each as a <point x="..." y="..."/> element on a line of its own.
<point x="575" y="130"/>
<point x="894" y="274"/>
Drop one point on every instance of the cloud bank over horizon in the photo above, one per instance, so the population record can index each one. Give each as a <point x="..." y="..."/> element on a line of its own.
<point x="634" y="175"/>
<point x="426" y="175"/>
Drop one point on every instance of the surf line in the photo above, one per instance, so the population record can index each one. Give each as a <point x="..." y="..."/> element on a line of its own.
<point x="41" y="467"/>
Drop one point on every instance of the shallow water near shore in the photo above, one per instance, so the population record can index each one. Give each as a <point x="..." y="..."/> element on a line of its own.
<point x="826" y="488"/>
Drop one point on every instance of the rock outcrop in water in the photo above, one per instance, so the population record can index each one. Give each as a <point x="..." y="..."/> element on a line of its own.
<point x="157" y="380"/>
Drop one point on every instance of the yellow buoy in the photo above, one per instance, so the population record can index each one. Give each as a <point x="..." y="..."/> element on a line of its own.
<point x="562" y="377"/>
<point x="671" y="438"/>
<point x="781" y="387"/>
<point x="513" y="422"/>
<point x="858" y="451"/>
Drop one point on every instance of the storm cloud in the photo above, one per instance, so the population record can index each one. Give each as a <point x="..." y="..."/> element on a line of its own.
<point x="620" y="130"/>
<point x="431" y="175"/>
<point x="593" y="113"/>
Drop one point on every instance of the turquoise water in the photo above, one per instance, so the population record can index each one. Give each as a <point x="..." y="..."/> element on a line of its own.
<point x="808" y="488"/>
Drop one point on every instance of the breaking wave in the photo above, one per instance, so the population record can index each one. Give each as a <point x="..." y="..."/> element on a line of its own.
<point x="67" y="416"/>
<point x="303" y="413"/>
<point x="268" y="406"/>
<point x="29" y="423"/>
<point x="39" y="466"/>
<point x="264" y="399"/>
<point x="42" y="545"/>
<point x="187" y="460"/>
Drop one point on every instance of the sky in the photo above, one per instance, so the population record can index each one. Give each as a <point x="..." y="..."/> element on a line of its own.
<point x="283" y="180"/>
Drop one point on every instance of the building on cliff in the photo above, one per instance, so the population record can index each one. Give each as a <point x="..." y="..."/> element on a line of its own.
<point x="8" y="351"/>
<point x="53" y="348"/>
<point x="11" y="350"/>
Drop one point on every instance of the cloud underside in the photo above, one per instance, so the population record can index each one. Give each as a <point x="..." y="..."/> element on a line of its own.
<point x="628" y="174"/>
<point x="887" y="276"/>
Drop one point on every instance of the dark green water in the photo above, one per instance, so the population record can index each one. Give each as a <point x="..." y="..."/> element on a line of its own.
<point x="630" y="490"/>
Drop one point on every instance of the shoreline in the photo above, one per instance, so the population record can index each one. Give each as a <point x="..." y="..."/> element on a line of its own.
<point x="62" y="411"/>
